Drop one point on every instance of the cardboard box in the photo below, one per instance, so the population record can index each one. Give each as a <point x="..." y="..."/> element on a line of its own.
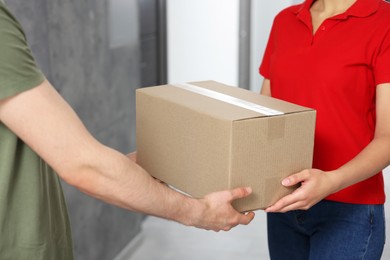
<point x="206" y="136"/>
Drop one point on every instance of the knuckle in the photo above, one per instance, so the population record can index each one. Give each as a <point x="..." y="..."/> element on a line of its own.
<point x="238" y="193"/>
<point x="305" y="205"/>
<point x="306" y="173"/>
<point x="234" y="221"/>
<point x="226" y="228"/>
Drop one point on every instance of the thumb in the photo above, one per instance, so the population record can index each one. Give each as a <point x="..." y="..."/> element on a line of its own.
<point x="295" y="178"/>
<point x="239" y="193"/>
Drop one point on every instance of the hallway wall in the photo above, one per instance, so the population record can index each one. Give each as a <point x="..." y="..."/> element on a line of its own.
<point x="202" y="41"/>
<point x="89" y="50"/>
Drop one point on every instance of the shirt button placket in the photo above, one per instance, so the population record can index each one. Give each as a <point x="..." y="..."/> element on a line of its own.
<point x="318" y="34"/>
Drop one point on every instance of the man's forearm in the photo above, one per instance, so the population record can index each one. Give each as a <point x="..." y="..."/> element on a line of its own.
<point x="44" y="121"/>
<point x="114" y="178"/>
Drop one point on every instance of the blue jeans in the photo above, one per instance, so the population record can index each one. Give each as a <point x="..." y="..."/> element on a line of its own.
<point x="328" y="230"/>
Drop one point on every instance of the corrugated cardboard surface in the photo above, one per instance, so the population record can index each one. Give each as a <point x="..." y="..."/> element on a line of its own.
<point x="199" y="144"/>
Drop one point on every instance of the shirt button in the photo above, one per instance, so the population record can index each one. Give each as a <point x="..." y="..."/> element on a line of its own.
<point x="323" y="28"/>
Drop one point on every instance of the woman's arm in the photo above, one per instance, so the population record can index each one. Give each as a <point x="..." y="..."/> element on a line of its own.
<point x="266" y="88"/>
<point x="44" y="121"/>
<point x="317" y="184"/>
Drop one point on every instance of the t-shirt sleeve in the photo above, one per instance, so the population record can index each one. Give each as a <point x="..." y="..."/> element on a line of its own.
<point x="382" y="64"/>
<point x="265" y="64"/>
<point x="18" y="70"/>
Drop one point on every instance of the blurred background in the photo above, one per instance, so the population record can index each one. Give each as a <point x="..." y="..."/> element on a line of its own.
<point x="97" y="52"/>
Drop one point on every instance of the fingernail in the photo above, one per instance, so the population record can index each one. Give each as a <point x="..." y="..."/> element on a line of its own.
<point x="285" y="182"/>
<point x="249" y="189"/>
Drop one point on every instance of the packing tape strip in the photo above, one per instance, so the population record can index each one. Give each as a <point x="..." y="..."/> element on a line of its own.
<point x="229" y="99"/>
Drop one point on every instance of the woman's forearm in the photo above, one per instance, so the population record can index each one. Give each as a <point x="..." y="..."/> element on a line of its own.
<point x="371" y="160"/>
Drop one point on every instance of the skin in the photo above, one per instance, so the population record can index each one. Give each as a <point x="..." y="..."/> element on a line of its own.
<point x="317" y="184"/>
<point x="323" y="9"/>
<point x="44" y="121"/>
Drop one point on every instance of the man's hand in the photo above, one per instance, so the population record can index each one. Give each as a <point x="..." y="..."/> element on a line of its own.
<point x="132" y="156"/>
<point x="218" y="213"/>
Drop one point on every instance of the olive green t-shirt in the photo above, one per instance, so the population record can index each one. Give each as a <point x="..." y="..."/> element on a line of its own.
<point x="33" y="217"/>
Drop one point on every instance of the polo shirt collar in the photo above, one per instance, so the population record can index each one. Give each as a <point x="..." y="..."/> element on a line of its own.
<point x="361" y="8"/>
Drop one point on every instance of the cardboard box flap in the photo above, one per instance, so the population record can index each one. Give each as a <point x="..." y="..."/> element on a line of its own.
<point x="230" y="104"/>
<point x="269" y="102"/>
<point x="199" y="103"/>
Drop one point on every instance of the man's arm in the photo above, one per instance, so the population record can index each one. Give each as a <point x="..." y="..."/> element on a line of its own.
<point x="44" y="121"/>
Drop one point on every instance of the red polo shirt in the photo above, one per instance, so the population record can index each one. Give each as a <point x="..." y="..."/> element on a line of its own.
<point x="334" y="71"/>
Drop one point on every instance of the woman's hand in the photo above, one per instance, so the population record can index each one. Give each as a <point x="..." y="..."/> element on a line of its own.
<point x="315" y="185"/>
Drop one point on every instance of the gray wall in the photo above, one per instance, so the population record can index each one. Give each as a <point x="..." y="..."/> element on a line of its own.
<point x="153" y="41"/>
<point x="89" y="50"/>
